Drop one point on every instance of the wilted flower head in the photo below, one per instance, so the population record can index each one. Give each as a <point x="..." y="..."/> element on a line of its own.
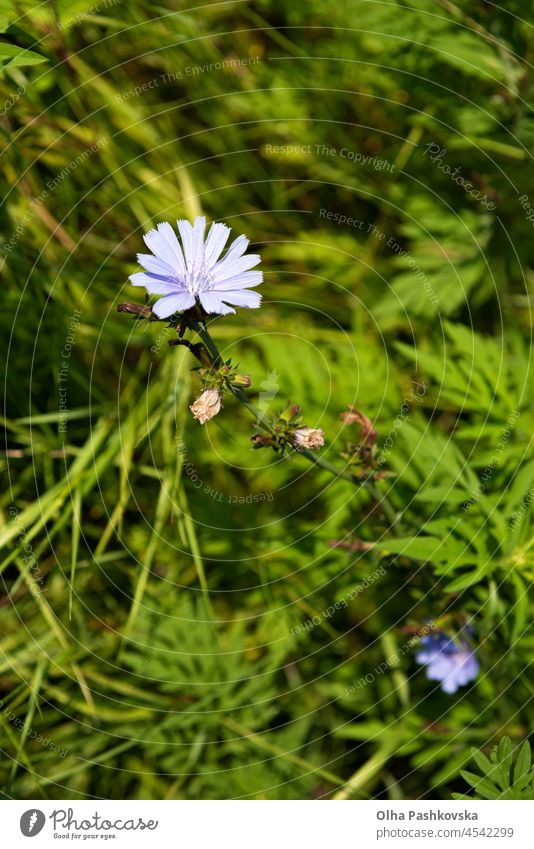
<point x="453" y="663"/>
<point x="307" y="437"/>
<point x="207" y="405"/>
<point x="353" y="416"/>
<point x="194" y="271"/>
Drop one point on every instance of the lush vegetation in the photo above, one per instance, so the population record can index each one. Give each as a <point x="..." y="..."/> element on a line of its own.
<point x="183" y="616"/>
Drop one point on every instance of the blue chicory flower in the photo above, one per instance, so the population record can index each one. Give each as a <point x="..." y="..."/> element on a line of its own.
<point x="193" y="270"/>
<point x="453" y="663"/>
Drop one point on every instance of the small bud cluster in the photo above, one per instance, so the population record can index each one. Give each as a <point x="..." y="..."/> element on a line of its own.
<point x="225" y="377"/>
<point x="216" y="380"/>
<point x="288" y="431"/>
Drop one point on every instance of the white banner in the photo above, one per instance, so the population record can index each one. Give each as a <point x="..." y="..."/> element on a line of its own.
<point x="268" y="825"/>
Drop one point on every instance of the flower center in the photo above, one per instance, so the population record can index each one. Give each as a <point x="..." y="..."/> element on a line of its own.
<point x="197" y="278"/>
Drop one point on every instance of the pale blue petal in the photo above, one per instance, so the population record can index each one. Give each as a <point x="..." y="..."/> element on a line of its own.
<point x="451" y="662"/>
<point x="439" y="668"/>
<point x="449" y="685"/>
<point x="467" y="668"/>
<point x="213" y="304"/>
<point x="186" y="233"/>
<point x="235" y="268"/>
<point x="197" y="251"/>
<point x="243" y="298"/>
<point x="236" y="250"/>
<point x="242" y="281"/>
<point x="173" y="245"/>
<point x="141" y="278"/>
<point x="217" y="238"/>
<point x="173" y="303"/>
<point x="158" y="287"/>
<point x="155" y="265"/>
<point x="238" y="247"/>
<point x="474" y="666"/>
<point x="426" y="655"/>
<point x="153" y="284"/>
<point x="158" y="244"/>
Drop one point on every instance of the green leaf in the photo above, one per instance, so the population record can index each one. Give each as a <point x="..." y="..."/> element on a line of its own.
<point x="483" y="786"/>
<point x="483" y="763"/>
<point x="523" y="761"/>
<point x="419" y="548"/>
<point x="424" y="548"/>
<point x="16" y="57"/>
<point x="521" y="607"/>
<point x="470" y="54"/>
<point x="496" y="780"/>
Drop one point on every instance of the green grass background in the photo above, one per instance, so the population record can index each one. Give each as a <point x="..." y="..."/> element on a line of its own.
<point x="160" y="650"/>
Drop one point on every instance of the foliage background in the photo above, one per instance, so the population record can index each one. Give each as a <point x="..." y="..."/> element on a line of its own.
<point x="161" y="649"/>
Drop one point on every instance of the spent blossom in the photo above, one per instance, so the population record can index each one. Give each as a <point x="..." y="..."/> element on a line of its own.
<point x="307" y="437"/>
<point x="207" y="405"/>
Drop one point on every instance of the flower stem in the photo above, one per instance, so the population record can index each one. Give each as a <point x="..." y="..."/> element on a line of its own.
<point x="388" y="509"/>
<point x="202" y="331"/>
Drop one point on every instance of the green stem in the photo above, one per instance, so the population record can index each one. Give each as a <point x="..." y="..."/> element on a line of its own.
<point x="367" y="772"/>
<point x="389" y="510"/>
<point x="328" y="467"/>
<point x="208" y="341"/>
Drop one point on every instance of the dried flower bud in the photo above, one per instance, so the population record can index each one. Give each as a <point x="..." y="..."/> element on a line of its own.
<point x="207" y="405"/>
<point x="307" y="437"/>
<point x="135" y="309"/>
<point x="261" y="441"/>
<point x="353" y="416"/>
<point x="241" y="381"/>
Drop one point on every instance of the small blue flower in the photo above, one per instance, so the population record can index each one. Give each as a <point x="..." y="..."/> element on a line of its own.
<point x="452" y="663"/>
<point x="193" y="271"/>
